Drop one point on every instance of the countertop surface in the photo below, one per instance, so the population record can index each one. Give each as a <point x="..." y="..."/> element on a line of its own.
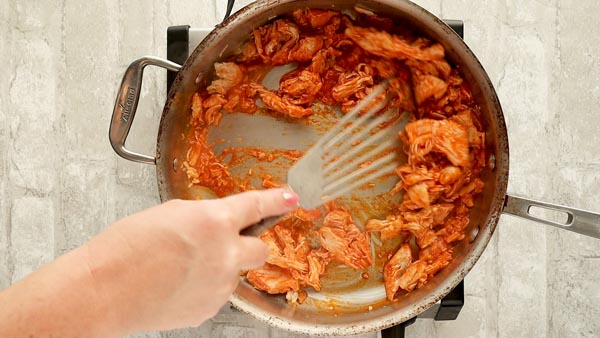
<point x="61" y="183"/>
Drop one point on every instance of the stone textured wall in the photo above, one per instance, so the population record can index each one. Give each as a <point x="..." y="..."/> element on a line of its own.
<point x="61" y="183"/>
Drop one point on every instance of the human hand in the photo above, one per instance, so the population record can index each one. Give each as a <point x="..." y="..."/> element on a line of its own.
<point x="176" y="264"/>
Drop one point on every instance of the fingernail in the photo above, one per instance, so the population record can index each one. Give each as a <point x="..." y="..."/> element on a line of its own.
<point x="291" y="198"/>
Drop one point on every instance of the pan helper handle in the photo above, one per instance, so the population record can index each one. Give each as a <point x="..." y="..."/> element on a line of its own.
<point x="580" y="221"/>
<point x="126" y="105"/>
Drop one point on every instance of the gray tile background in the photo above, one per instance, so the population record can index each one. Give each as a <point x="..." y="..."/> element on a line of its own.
<point x="61" y="183"/>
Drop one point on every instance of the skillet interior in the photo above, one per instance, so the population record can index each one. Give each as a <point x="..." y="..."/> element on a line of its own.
<point x="197" y="72"/>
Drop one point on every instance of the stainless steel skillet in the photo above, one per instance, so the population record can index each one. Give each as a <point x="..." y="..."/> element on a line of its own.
<point x="197" y="71"/>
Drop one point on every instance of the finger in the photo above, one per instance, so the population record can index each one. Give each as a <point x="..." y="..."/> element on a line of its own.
<point x="250" y="207"/>
<point x="253" y="253"/>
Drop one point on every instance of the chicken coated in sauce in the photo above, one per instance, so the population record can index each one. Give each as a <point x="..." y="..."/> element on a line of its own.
<point x="391" y="46"/>
<point x="272" y="279"/>
<point x="438" y="192"/>
<point x="394" y="271"/>
<point x="339" y="60"/>
<point x="348" y="245"/>
<point x="287" y="248"/>
<point x="290" y="251"/>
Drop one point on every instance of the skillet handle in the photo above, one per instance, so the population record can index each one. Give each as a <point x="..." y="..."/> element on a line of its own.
<point x="126" y="105"/>
<point x="580" y="221"/>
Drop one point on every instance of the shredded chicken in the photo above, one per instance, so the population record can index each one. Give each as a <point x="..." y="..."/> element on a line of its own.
<point x="314" y="18"/>
<point x="390" y="46"/>
<point x="230" y="75"/>
<point x="414" y="275"/>
<point x="352" y="86"/>
<point x="303" y="88"/>
<point x="337" y="61"/>
<point x="348" y="245"/>
<point x="274" y="42"/>
<point x="289" y="250"/>
<point x="445" y="136"/>
<point x="283" y="105"/>
<point x="427" y="86"/>
<point x="286" y="249"/>
<point x="203" y="167"/>
<point x="389" y="228"/>
<point x="272" y="279"/>
<point x="439" y="187"/>
<point x="394" y="269"/>
<point x="306" y="49"/>
<point x="317" y="262"/>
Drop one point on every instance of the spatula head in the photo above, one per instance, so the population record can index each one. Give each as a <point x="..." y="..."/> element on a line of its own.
<point x="305" y="178"/>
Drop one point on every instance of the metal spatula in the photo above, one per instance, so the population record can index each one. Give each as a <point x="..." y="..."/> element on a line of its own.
<point x="356" y="151"/>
